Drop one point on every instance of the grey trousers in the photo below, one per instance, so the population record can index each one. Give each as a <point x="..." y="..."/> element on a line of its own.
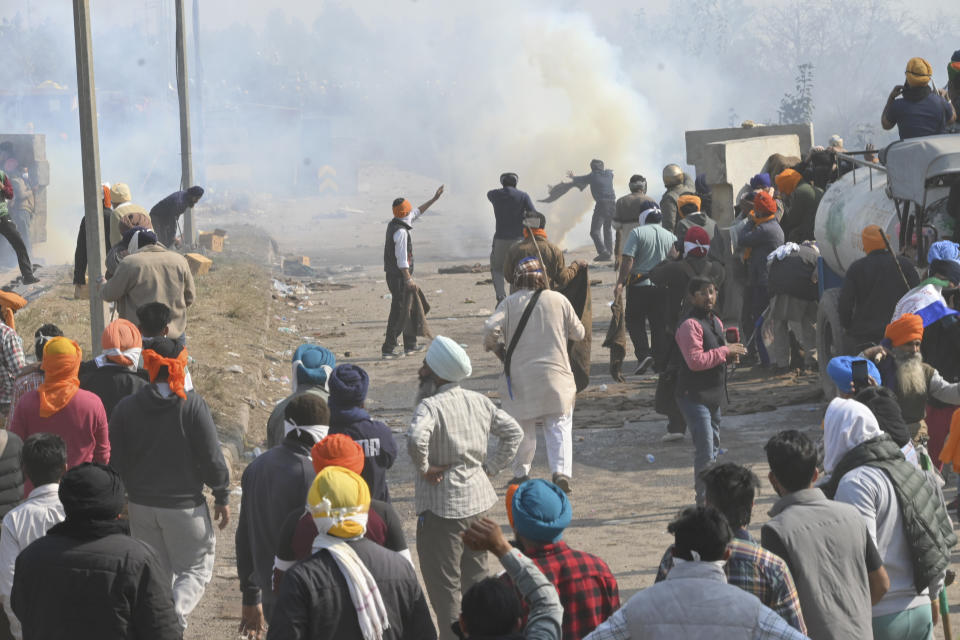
<point x="185" y="543"/>
<point x="449" y="568"/>
<point x="799" y="316"/>
<point x="498" y="255"/>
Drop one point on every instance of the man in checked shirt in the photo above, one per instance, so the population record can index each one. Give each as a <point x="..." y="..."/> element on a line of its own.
<point x="11" y="361"/>
<point x="731" y="488"/>
<point x="447" y="442"/>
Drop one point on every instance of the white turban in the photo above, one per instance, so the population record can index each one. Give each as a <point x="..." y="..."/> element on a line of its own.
<point x="847" y="423"/>
<point x="448" y="360"/>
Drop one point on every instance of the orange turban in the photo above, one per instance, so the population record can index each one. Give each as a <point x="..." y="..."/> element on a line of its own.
<point x="872" y="238"/>
<point x="906" y="328"/>
<point x="107" y="204"/>
<point x="10" y="303"/>
<point x="176" y="369"/>
<point x="61" y="366"/>
<point x="688" y="198"/>
<point x="763" y="203"/>
<point x="121" y="342"/>
<point x="337" y="450"/>
<point x="787" y="181"/>
<point x="402" y="209"/>
<point x="511" y="489"/>
<point x="918" y="72"/>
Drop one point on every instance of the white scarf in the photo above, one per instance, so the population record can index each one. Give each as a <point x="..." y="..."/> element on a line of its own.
<point x="647" y="212"/>
<point x="133" y="354"/>
<point x="690" y="246"/>
<point x="364" y="593"/>
<point x="782" y="252"/>
<point x="317" y="431"/>
<point x="846" y="424"/>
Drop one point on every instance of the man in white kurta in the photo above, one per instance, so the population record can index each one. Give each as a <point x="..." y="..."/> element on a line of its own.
<point x="541" y="386"/>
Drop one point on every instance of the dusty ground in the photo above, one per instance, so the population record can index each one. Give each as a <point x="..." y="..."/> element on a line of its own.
<point x="622" y="503"/>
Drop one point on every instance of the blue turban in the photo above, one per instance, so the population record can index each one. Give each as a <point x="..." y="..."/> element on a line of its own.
<point x="760" y="181"/>
<point x="840" y="370"/>
<point x="448" y="360"/>
<point x="541" y="511"/>
<point x="944" y="250"/>
<point x="348" y="386"/>
<point x="312" y="364"/>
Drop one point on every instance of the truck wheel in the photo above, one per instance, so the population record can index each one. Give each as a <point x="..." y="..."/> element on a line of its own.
<point x="829" y="338"/>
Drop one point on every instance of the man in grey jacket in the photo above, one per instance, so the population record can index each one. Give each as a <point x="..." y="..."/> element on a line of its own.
<point x="695" y="600"/>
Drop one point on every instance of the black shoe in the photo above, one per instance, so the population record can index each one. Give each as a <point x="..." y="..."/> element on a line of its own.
<point x="30" y="279"/>
<point x="603" y="257"/>
<point x="417" y="348"/>
<point x="518" y="480"/>
<point x="643" y="366"/>
<point x="391" y="355"/>
<point x="563" y="482"/>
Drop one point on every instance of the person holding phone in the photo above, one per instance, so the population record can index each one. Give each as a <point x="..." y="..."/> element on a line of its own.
<point x="919" y="111"/>
<point x="702" y="378"/>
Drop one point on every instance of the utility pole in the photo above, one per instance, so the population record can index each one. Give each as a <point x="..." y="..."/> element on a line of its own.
<point x="90" y="162"/>
<point x="186" y="159"/>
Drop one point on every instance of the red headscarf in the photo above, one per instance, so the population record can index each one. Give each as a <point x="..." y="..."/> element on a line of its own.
<point x="337" y="450"/>
<point x="176" y="369"/>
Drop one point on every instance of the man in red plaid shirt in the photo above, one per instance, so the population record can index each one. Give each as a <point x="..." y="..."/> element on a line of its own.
<point x="539" y="511"/>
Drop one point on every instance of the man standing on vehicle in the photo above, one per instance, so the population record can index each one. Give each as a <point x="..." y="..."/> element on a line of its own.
<point x="920" y="111"/>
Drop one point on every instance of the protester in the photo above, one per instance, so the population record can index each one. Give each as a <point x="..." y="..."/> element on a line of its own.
<point x="689" y="215"/>
<point x="30" y="376"/>
<point x="953" y="81"/>
<point x="919" y="111"/>
<point x="23" y="206"/>
<point x="61" y="407"/>
<point x="836" y="565"/>
<point x="731" y="489"/>
<point x="398" y="265"/>
<point x="491" y="609"/>
<point x="80" y="253"/>
<point x="758" y="239"/>
<point x="165" y="447"/>
<point x="647" y="246"/>
<point x="153" y="321"/>
<point x="299" y="529"/>
<point x="537" y="383"/>
<point x="702" y="377"/>
<point x="695" y="600"/>
<point x="121" y="199"/>
<point x="510" y="205"/>
<point x="628" y="210"/>
<point x="904" y="517"/>
<point x="115" y="373"/>
<point x="87" y="577"/>
<point x="539" y="512"/>
<point x="11" y="475"/>
<point x="600" y="181"/>
<point x="536" y="245"/>
<point x="348" y="391"/>
<point x="151" y="274"/>
<point x="762" y="182"/>
<point x="121" y="249"/>
<point x="8" y="229"/>
<point x="677" y="183"/>
<point x="351" y="588"/>
<point x="673" y="276"/>
<point x="914" y="381"/>
<point x="312" y="365"/>
<point x="871" y="289"/>
<point x="792" y="285"/>
<point x="11" y="362"/>
<point x="801" y="199"/>
<point x="447" y="443"/>
<point x="165" y="215"/>
<point x="272" y="486"/>
<point x="44" y="461"/>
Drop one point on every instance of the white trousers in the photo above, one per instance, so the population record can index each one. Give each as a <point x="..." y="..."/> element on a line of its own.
<point x="558" y="435"/>
<point x="185" y="542"/>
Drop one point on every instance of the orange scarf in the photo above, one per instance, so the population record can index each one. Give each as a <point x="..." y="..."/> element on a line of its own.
<point x="61" y="365"/>
<point x="540" y="233"/>
<point x="10" y="303"/>
<point x="176" y="369"/>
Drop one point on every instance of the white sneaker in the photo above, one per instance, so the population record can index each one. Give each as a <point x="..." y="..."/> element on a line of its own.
<point x="671" y="437"/>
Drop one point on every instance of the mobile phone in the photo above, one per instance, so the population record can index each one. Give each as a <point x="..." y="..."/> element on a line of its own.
<point x="732" y="335"/>
<point x="860" y="374"/>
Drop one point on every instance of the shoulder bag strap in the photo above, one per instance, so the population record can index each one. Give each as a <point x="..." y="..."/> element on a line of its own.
<point x="516" y="337"/>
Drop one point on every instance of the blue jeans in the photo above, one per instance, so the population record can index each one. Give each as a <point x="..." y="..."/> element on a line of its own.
<point x="704" y="426"/>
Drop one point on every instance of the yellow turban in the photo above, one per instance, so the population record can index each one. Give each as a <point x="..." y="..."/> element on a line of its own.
<point x="872" y="238"/>
<point x="918" y="72"/>
<point x="339" y="500"/>
<point x="787" y="181"/>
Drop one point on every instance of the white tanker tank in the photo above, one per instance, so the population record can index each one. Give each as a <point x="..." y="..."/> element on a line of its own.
<point x="911" y="187"/>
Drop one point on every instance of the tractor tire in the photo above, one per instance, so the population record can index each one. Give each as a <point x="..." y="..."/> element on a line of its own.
<point x="829" y="338"/>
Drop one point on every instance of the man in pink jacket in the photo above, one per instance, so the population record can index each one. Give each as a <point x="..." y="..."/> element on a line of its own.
<point x="702" y="376"/>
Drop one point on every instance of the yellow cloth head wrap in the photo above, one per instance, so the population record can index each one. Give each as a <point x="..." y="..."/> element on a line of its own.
<point x="339" y="500"/>
<point x="918" y="72"/>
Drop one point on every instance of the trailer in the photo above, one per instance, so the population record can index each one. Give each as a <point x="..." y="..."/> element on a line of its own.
<point x="906" y="195"/>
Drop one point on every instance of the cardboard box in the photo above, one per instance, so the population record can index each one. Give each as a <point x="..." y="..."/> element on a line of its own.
<point x="199" y="264"/>
<point x="301" y="260"/>
<point x="213" y="240"/>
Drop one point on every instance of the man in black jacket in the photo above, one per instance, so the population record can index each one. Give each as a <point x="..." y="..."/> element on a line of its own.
<point x="164" y="444"/>
<point x="115" y="373"/>
<point x="166" y="213"/>
<point x="88" y="578"/>
<point x="792" y="283"/>
<point x="871" y="290"/>
<point x="273" y="485"/>
<point x="319" y="599"/>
